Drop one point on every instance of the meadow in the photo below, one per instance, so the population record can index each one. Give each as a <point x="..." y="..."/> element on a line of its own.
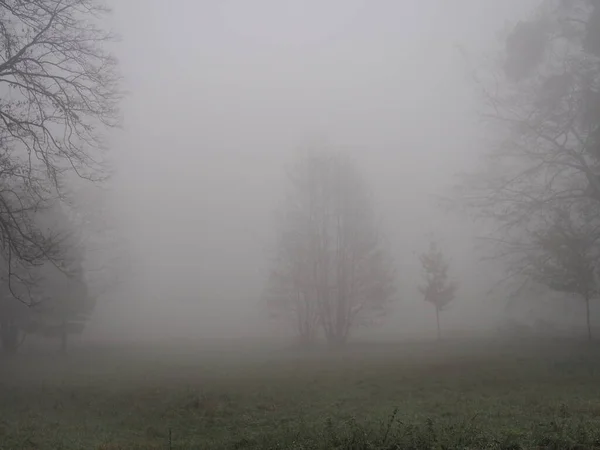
<point x="474" y="394"/>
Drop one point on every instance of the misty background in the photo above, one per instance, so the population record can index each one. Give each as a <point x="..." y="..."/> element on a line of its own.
<point x="221" y="93"/>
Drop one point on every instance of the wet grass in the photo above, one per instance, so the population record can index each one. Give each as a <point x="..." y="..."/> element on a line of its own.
<point x="380" y="396"/>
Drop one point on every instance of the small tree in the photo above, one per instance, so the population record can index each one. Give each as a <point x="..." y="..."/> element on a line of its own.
<point x="438" y="289"/>
<point x="565" y="257"/>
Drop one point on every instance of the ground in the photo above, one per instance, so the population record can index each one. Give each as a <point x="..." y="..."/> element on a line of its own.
<point x="485" y="394"/>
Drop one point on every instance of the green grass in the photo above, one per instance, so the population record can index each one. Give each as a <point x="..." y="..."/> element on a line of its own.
<point x="378" y="396"/>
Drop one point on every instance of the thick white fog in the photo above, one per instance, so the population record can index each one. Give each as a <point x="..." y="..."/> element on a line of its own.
<point x="221" y="93"/>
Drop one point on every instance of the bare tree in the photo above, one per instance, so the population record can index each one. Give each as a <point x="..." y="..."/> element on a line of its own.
<point x="332" y="264"/>
<point x="541" y="111"/>
<point x="438" y="289"/>
<point x="565" y="256"/>
<point x="58" y="92"/>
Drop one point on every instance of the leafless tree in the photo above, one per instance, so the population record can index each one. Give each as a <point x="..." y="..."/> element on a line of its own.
<point x="541" y="111"/>
<point x="332" y="269"/>
<point x="437" y="289"/>
<point x="58" y="92"/>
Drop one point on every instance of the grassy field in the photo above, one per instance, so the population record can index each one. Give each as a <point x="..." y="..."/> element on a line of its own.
<point x="371" y="396"/>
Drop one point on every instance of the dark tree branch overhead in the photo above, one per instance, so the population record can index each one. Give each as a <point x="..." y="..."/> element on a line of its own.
<point x="59" y="91"/>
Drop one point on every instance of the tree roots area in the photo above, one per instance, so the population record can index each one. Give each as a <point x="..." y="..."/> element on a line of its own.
<point x="497" y="395"/>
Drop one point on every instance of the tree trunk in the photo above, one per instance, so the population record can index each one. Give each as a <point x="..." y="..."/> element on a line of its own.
<point x="63" y="337"/>
<point x="587" y="317"/>
<point x="437" y="318"/>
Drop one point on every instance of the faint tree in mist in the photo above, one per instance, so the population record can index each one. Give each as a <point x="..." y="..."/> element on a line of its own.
<point x="331" y="270"/>
<point x="437" y="289"/>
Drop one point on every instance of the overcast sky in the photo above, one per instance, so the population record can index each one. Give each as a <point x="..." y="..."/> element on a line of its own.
<point x="221" y="93"/>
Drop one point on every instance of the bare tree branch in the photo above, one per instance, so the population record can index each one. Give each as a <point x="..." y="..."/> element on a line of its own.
<point x="59" y="90"/>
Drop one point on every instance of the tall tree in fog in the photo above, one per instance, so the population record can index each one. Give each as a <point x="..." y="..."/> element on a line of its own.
<point x="437" y="288"/>
<point x="58" y="91"/>
<point x="541" y="96"/>
<point x="331" y="270"/>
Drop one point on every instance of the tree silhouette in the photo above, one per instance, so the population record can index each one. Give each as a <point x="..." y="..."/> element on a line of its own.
<point x="438" y="289"/>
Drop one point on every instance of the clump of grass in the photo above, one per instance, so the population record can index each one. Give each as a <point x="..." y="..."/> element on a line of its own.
<point x="394" y="434"/>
